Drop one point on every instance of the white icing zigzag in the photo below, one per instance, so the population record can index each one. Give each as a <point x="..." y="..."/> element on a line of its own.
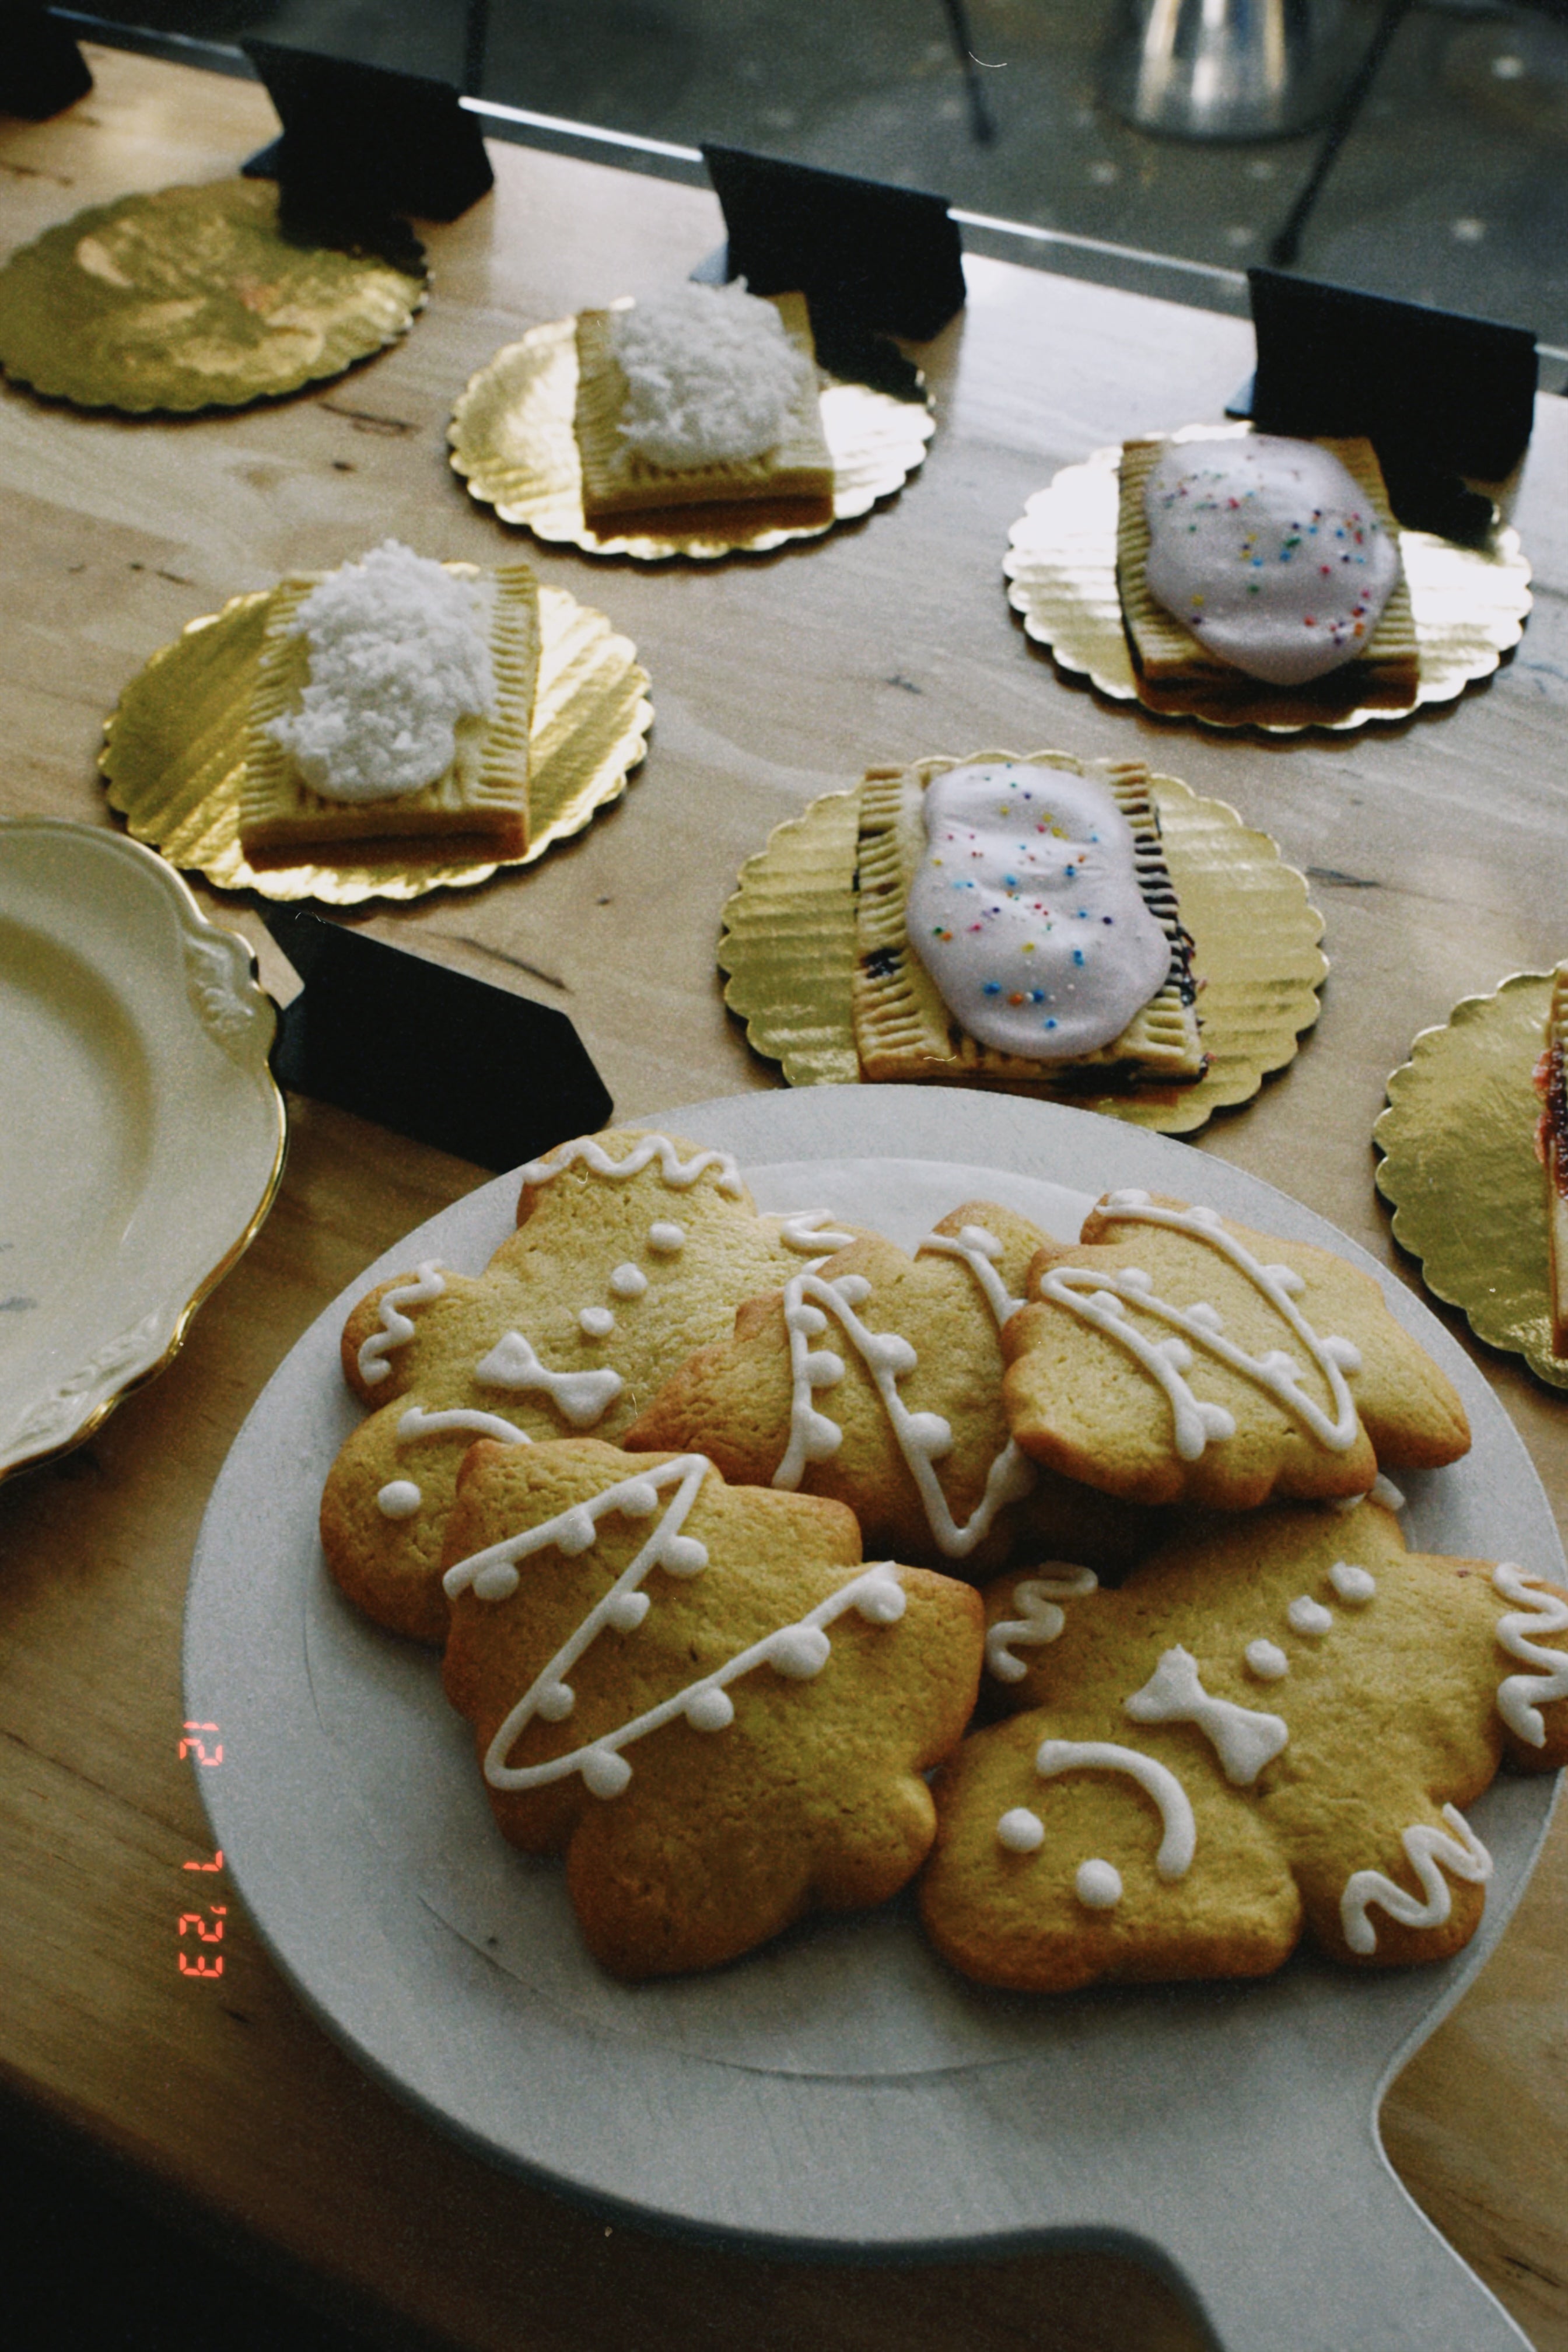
<point x="1426" y="1848"/>
<point x="1103" y="1298"/>
<point x="923" y="1438"/>
<point x="396" y="1328"/>
<point x="676" y="1171"/>
<point x="1040" y="1621"/>
<point x="798" y="1651"/>
<point x="1542" y="1609"/>
<point x="1244" y="1740"/>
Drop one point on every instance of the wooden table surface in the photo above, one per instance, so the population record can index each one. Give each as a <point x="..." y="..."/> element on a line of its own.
<point x="1436" y="852"/>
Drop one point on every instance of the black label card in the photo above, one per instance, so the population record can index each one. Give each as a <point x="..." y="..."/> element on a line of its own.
<point x="866" y="256"/>
<point x="430" y="1053"/>
<point x="360" y="141"/>
<point x="42" y="71"/>
<point x="1437" y="393"/>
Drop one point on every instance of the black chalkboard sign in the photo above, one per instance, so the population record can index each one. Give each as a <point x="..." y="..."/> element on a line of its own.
<point x="42" y="71"/>
<point x="361" y="141"/>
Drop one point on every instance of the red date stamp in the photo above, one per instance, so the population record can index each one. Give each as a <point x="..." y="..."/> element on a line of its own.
<point x="200" y="1741"/>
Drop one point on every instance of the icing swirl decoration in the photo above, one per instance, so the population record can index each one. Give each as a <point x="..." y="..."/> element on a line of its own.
<point x="1026" y="911"/>
<point x="681" y="1174"/>
<point x="1039" y="1620"/>
<point x="397" y="1329"/>
<point x="1268" y="549"/>
<point x="1104" y="1299"/>
<point x="1539" y="1609"/>
<point x="798" y="1651"/>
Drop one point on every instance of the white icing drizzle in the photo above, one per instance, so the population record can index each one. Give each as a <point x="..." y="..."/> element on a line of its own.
<point x="583" y="1397"/>
<point x="1097" y="1886"/>
<point x="396" y="1328"/>
<point x="1542" y="1609"/>
<point x="1243" y="1740"/>
<point x="1021" y="1830"/>
<point x="398" y="1499"/>
<point x="1382" y="1490"/>
<point x="1039" y="1620"/>
<point x="1179" y="1842"/>
<point x="978" y="1249"/>
<point x="922" y="1438"/>
<point x="797" y="1651"/>
<point x="1310" y="1616"/>
<point x="627" y="1281"/>
<point x="808" y="1232"/>
<point x="1266" y="1660"/>
<point x="1101" y="1297"/>
<point x="681" y="1174"/>
<point x="416" y="1423"/>
<point x="1356" y="1585"/>
<point x="1426" y="1847"/>
<point x="596" y="1322"/>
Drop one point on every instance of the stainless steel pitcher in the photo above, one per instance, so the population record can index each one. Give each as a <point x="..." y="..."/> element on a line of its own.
<point x="1232" y="68"/>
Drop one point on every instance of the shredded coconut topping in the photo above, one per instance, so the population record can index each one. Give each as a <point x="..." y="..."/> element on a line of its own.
<point x="399" y="654"/>
<point x="711" y="374"/>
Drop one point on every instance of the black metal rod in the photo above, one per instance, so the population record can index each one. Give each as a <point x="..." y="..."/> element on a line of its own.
<point x="1287" y="245"/>
<point x="982" y="121"/>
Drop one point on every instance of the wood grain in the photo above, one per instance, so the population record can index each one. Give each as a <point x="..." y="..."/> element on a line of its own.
<point x="1437" y="853"/>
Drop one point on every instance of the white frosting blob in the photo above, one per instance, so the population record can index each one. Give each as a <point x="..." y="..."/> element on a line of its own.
<point x="711" y="374"/>
<point x="1027" y="913"/>
<point x="1098" y="1884"/>
<point x="1269" y="552"/>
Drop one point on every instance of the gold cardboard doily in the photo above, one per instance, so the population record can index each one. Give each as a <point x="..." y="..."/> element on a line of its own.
<point x="1459" y="1169"/>
<point x="514" y="445"/>
<point x="789" y="948"/>
<point x="174" y="755"/>
<point x="1468" y="603"/>
<point x="192" y="298"/>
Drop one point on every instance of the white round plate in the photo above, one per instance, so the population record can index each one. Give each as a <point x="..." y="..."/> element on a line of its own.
<point x="841" y="2092"/>
<point x="143" y="1133"/>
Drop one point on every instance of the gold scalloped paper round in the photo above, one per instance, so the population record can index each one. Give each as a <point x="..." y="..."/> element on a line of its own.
<point x="175" y="755"/>
<point x="789" y="947"/>
<point x="1460" y="1173"/>
<point x="192" y="298"/>
<point x="1468" y="603"/>
<point x="514" y="445"/>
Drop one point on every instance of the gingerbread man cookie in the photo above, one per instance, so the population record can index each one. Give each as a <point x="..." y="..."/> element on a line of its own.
<point x="1172" y="1356"/>
<point x="700" y="1694"/>
<point x="1272" y="1727"/>
<point x="875" y="1379"/>
<point x="631" y="1250"/>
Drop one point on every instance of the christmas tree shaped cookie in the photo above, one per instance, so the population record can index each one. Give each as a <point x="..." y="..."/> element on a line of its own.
<point x="875" y="1379"/>
<point x="1173" y="1357"/>
<point x="700" y="1694"/>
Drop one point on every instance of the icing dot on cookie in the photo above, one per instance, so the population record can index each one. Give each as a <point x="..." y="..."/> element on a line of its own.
<point x="710" y="1710"/>
<point x="882" y="1602"/>
<point x="1310" y="1616"/>
<point x="557" y="1701"/>
<point x="1266" y="1660"/>
<point x="398" y="1499"/>
<point x="628" y="1282"/>
<point x="575" y="1531"/>
<point x="1098" y="1884"/>
<point x="800" y="1651"/>
<point x="596" y="1321"/>
<point x="683" y="1556"/>
<point x="1352" y="1583"/>
<point x="1021" y="1832"/>
<point x="626" y="1610"/>
<point x="1385" y="1492"/>
<point x="637" y="1498"/>
<point x="666" y="1237"/>
<point x="497" y="1583"/>
<point x="605" y="1773"/>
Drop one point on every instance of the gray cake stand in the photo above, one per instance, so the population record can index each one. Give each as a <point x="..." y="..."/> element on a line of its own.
<point x="841" y="2093"/>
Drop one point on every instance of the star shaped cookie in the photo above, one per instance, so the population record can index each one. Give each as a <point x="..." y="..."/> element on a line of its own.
<point x="1270" y="1729"/>
<point x="1173" y="1357"/>
<point x="700" y="1694"/>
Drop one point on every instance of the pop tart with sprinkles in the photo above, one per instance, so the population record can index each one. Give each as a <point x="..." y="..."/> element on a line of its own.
<point x="1017" y="928"/>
